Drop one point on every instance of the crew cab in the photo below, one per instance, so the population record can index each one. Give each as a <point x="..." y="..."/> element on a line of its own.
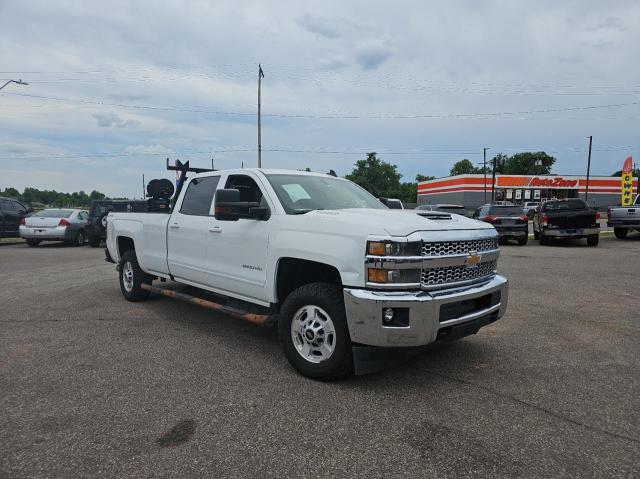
<point x="332" y="266"/>
<point x="624" y="218"/>
<point x="565" y="219"/>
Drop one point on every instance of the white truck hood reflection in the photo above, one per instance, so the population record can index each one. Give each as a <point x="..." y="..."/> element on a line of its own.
<point x="393" y="222"/>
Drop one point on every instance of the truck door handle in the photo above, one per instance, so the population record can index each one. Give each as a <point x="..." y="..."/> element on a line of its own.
<point x="174" y="225"/>
<point x="215" y="229"/>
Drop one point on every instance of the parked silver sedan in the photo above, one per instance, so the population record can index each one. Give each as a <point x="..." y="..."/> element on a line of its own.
<point x="55" y="224"/>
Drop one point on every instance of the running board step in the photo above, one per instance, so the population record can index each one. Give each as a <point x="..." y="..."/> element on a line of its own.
<point x="236" y="313"/>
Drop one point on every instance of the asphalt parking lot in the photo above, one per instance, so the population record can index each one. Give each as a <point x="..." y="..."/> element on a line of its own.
<point x="94" y="386"/>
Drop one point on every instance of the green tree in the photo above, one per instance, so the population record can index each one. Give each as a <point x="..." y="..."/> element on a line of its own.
<point x="525" y="163"/>
<point x="376" y="176"/>
<point x="420" y="178"/>
<point x="462" y="167"/>
<point x="96" y="195"/>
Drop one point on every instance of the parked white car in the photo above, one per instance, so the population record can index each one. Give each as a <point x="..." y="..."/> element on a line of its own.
<point x="325" y="258"/>
<point x="55" y="224"/>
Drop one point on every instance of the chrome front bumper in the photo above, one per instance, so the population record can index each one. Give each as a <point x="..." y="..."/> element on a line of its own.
<point x="571" y="233"/>
<point x="364" y="308"/>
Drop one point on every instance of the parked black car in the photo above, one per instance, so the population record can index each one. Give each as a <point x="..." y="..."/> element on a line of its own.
<point x="509" y="221"/>
<point x="97" y="223"/>
<point x="12" y="212"/>
<point x="563" y="219"/>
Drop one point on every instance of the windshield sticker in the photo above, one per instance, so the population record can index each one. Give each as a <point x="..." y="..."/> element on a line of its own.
<point x="296" y="192"/>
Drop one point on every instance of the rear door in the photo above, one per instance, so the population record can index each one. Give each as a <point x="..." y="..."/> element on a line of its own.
<point x="187" y="231"/>
<point x="11" y="217"/>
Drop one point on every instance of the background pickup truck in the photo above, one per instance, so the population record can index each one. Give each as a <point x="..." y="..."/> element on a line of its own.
<point x="330" y="264"/>
<point x="564" y="219"/>
<point x="624" y="218"/>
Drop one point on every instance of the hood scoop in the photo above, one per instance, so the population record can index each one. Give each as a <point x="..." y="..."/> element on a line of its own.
<point x="435" y="215"/>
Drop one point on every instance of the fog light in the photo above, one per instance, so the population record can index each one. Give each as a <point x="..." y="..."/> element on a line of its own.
<point x="388" y="315"/>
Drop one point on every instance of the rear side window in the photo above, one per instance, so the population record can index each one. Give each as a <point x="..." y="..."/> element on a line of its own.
<point x="199" y="195"/>
<point x="5" y="205"/>
<point x="506" y="211"/>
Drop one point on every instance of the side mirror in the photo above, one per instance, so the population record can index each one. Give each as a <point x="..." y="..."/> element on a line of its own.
<point x="225" y="205"/>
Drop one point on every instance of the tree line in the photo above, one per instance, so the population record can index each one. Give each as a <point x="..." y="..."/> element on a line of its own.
<point x="34" y="197"/>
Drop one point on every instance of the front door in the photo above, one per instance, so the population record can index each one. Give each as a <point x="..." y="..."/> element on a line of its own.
<point x="187" y="232"/>
<point x="237" y="250"/>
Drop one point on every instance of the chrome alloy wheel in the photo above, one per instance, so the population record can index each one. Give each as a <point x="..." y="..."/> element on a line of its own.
<point x="313" y="334"/>
<point x="127" y="276"/>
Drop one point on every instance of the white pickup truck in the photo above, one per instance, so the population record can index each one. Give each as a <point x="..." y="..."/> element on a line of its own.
<point x="331" y="264"/>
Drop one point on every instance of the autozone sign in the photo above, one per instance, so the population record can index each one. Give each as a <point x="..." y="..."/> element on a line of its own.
<point x="557" y="182"/>
<point x="536" y="182"/>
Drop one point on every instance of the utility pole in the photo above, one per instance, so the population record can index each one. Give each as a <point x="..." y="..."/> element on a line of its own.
<point x="586" y="191"/>
<point x="493" y="182"/>
<point x="260" y="77"/>
<point x="143" y="192"/>
<point x="18" y="82"/>
<point x="484" y="156"/>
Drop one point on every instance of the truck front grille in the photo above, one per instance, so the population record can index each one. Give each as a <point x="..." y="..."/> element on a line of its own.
<point x="434" y="277"/>
<point x="450" y="248"/>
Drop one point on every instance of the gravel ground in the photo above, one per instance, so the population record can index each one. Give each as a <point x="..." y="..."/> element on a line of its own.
<point x="94" y="386"/>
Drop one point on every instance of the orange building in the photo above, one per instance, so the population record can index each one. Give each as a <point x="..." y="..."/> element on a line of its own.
<point x="469" y="190"/>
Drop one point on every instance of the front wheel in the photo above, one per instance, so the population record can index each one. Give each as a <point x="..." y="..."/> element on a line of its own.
<point x="94" y="242"/>
<point x="621" y="233"/>
<point x="132" y="277"/>
<point x="33" y="242"/>
<point x="593" y="240"/>
<point x="523" y="241"/>
<point x="80" y="238"/>
<point x="313" y="332"/>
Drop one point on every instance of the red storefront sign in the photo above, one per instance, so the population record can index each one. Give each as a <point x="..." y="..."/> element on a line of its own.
<point x="557" y="182"/>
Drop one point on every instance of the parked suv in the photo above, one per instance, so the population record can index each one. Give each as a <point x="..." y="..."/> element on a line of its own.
<point x="12" y="212"/>
<point x="97" y="222"/>
<point x="509" y="221"/>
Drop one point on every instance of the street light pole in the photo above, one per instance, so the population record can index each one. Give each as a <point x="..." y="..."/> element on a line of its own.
<point x="18" y="82"/>
<point x="484" y="156"/>
<point x="260" y="77"/>
<point x="586" y="191"/>
<point x="493" y="182"/>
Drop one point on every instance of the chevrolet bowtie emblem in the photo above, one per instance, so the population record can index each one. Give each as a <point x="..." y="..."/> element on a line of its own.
<point x="472" y="259"/>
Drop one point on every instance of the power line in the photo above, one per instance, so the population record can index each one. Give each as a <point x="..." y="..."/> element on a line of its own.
<point x="331" y="117"/>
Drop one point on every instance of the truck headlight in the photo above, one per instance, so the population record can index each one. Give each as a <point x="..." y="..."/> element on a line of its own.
<point x="393" y="248"/>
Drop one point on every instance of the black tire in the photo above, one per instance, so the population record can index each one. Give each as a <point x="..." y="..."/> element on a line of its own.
<point x="80" y="238"/>
<point x="94" y="242"/>
<point x="133" y="292"/>
<point x="33" y="242"/>
<point x="329" y="298"/>
<point x="523" y="241"/>
<point x="593" y="240"/>
<point x="543" y="239"/>
<point x="536" y="234"/>
<point x="621" y="233"/>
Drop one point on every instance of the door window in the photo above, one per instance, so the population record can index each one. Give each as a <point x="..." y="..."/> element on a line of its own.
<point x="249" y="191"/>
<point x="197" y="200"/>
<point x="5" y="206"/>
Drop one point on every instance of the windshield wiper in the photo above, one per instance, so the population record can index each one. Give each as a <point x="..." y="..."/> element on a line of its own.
<point x="303" y="211"/>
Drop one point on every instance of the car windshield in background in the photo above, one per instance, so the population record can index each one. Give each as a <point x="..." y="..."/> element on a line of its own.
<point x="565" y="205"/>
<point x="458" y="210"/>
<point x="53" y="213"/>
<point x="394" y="204"/>
<point x="303" y="193"/>
<point x="506" y="211"/>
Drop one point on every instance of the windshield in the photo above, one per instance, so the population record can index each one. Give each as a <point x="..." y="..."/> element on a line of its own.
<point x="564" y="205"/>
<point x="51" y="213"/>
<point x="506" y="211"/>
<point x="302" y="193"/>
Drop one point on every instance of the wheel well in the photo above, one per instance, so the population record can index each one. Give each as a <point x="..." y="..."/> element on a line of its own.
<point x="295" y="272"/>
<point x="125" y="244"/>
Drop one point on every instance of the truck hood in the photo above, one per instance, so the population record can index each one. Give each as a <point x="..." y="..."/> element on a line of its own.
<point x="392" y="222"/>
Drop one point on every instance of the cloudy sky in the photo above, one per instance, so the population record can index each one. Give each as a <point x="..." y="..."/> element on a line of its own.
<point x="116" y="87"/>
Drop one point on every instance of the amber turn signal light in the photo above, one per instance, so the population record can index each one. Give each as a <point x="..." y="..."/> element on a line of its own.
<point x="375" y="275"/>
<point x="376" y="248"/>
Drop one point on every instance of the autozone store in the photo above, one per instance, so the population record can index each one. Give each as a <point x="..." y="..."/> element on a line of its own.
<point x="469" y="190"/>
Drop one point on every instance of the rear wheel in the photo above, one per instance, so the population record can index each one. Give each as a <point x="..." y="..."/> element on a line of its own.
<point x="543" y="239"/>
<point x="94" y="242"/>
<point x="593" y="240"/>
<point x="536" y="234"/>
<point x="523" y="241"/>
<point x="132" y="277"/>
<point x="33" y="242"/>
<point x="313" y="332"/>
<point x="80" y="238"/>
<point x="621" y="233"/>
